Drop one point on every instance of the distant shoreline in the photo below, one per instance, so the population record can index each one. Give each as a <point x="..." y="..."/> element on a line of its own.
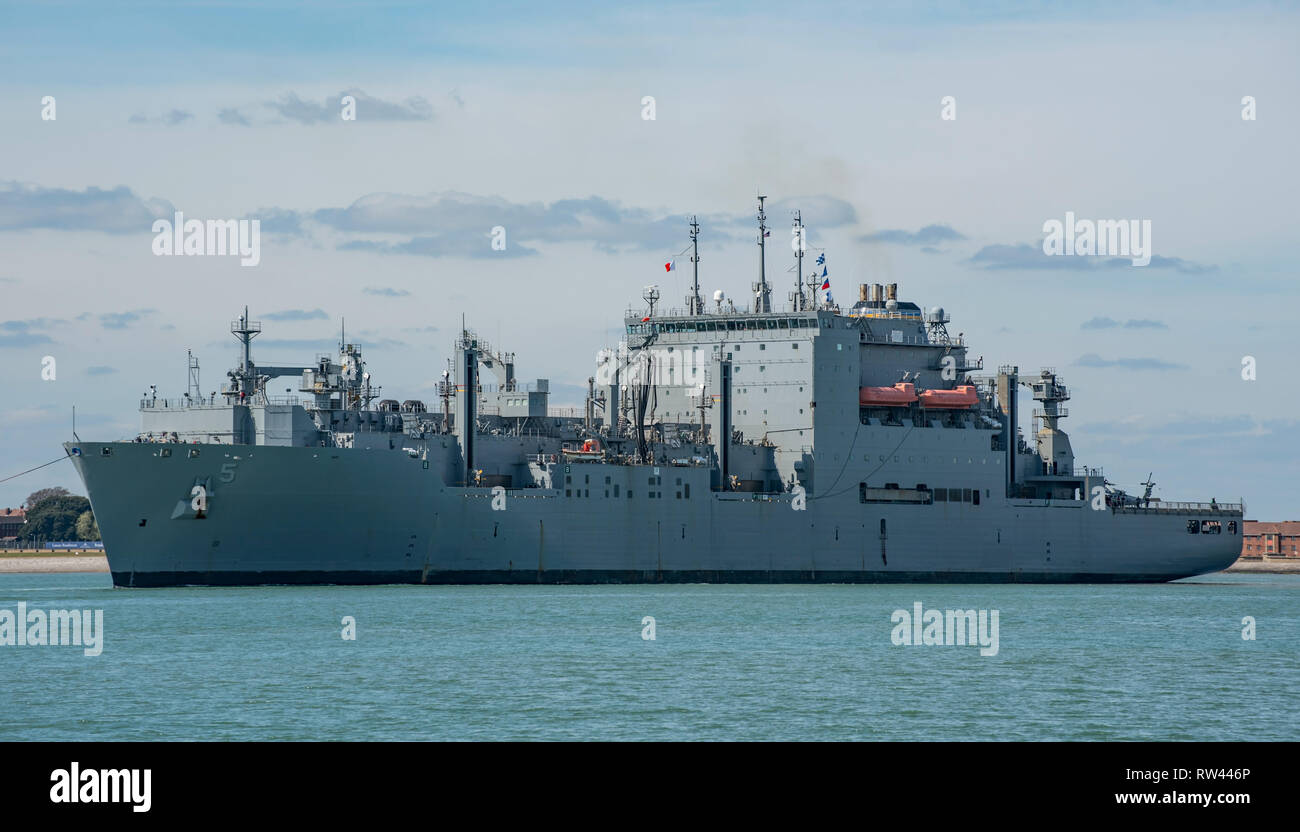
<point x="35" y="562"/>
<point x="1289" y="566"/>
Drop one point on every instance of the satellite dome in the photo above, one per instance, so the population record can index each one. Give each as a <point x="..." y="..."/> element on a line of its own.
<point x="936" y="313"/>
<point x="891" y="305"/>
<point x="717" y="294"/>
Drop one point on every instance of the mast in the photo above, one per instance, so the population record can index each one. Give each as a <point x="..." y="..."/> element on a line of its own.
<point x="762" y="292"/>
<point x="696" y="305"/>
<point x="798" y="269"/>
<point x="245" y="330"/>
<point x="192" y="382"/>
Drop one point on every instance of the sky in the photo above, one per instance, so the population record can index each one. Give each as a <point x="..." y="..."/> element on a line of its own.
<point x="531" y="117"/>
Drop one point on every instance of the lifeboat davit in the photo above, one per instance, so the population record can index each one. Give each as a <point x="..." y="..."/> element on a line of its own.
<point x="964" y="396"/>
<point x="899" y="394"/>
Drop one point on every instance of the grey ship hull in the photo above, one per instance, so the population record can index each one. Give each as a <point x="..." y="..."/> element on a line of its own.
<point x="303" y="515"/>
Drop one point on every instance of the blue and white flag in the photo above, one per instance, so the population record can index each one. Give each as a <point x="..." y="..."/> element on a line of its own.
<point x="821" y="258"/>
<point x="823" y="271"/>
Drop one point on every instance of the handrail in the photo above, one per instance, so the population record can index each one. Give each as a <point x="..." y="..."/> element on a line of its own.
<point x="1204" y="508"/>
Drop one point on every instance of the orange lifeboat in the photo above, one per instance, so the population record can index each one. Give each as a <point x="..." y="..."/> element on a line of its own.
<point x="590" y="450"/>
<point x="964" y="396"/>
<point x="896" y="396"/>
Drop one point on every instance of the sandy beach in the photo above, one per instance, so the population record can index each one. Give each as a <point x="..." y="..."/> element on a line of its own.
<point x="42" y="563"/>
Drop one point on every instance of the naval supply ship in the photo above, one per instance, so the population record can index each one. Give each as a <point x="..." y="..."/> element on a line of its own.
<point x="716" y="444"/>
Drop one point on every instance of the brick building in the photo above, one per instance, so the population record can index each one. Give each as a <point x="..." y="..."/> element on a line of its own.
<point x="1271" y="540"/>
<point x="11" y="521"/>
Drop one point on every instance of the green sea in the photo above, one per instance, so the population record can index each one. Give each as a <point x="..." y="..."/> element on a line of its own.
<point x="778" y="662"/>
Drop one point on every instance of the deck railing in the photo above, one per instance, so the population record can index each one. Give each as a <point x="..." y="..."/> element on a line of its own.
<point x="1183" y="508"/>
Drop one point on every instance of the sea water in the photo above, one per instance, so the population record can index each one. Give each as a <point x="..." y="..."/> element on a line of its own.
<point x="771" y="662"/>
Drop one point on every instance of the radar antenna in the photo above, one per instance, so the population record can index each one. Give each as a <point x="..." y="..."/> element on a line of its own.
<point x="651" y="297"/>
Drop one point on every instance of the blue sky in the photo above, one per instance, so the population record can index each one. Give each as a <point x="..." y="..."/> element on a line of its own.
<point x="528" y="116"/>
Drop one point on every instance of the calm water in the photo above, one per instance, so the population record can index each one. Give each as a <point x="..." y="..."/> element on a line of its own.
<point x="729" y="662"/>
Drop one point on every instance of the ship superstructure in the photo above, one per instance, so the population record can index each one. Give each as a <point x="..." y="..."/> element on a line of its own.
<point x="814" y="443"/>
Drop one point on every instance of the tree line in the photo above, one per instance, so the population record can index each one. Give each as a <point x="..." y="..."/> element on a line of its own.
<point x="57" y="514"/>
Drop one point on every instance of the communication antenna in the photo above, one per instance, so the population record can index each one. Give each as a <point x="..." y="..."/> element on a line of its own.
<point x="762" y="292"/>
<point x="697" y="305"/>
<point x="798" y="271"/>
